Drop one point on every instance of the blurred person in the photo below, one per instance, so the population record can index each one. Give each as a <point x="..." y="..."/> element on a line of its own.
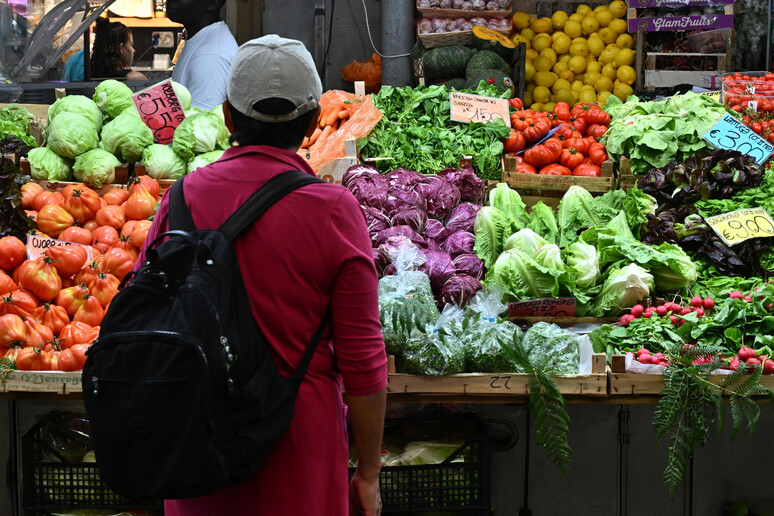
<point x="113" y="52"/>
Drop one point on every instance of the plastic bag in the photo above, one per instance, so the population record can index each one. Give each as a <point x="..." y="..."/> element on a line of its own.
<point x="632" y="366"/>
<point x="368" y="71"/>
<point x="490" y="336"/>
<point x="558" y="349"/>
<point x="441" y="349"/>
<point x="66" y="434"/>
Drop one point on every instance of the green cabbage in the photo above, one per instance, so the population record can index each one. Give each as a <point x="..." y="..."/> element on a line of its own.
<point x="71" y="134"/>
<point x="550" y="257"/>
<point x="200" y="133"/>
<point x="204" y="159"/>
<point x="623" y="288"/>
<point x="126" y="136"/>
<point x="96" y="167"/>
<point x="113" y="97"/>
<point x="78" y="104"/>
<point x="161" y="162"/>
<point x="47" y="165"/>
<point x="182" y="94"/>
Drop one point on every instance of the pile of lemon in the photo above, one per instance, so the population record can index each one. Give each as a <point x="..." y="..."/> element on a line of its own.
<point x="581" y="57"/>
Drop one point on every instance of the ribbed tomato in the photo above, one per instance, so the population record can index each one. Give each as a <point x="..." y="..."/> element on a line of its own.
<point x="41" y="278"/>
<point x="116" y="196"/>
<point x="71" y="298"/>
<point x="81" y="201"/>
<point x="90" y="312"/>
<point x="68" y="259"/>
<point x="53" y="316"/>
<point x="46" y="197"/>
<point x="77" y="333"/>
<point x="77" y="235"/>
<point x="111" y="216"/>
<point x="53" y="220"/>
<point x="29" y="192"/>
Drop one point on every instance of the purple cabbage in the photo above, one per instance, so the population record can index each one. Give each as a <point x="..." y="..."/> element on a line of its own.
<point x="432" y="245"/>
<point x="369" y="190"/>
<point x="441" y="195"/>
<point x="381" y="261"/>
<point x="404" y="177"/>
<point x="462" y="217"/>
<point x="469" y="264"/>
<point x="435" y="230"/>
<point x="459" y="289"/>
<point x="471" y="187"/>
<point x="439" y="268"/>
<point x="402" y="231"/>
<point x="458" y="243"/>
<point x="390" y="270"/>
<point x="414" y="218"/>
<point x="399" y="198"/>
<point x="375" y="220"/>
<point x="356" y="172"/>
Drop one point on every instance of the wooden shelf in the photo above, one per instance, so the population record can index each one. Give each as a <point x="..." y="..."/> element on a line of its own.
<point x="147" y="22"/>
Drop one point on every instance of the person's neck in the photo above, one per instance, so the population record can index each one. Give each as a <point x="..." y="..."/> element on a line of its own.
<point x="191" y="30"/>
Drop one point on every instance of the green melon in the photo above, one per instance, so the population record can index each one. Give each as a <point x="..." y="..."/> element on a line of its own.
<point x="443" y="62"/>
<point x="488" y="39"/>
<point x="497" y="78"/>
<point x="486" y="60"/>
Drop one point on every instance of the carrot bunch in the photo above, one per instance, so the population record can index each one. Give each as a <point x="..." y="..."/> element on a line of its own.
<point x="331" y="118"/>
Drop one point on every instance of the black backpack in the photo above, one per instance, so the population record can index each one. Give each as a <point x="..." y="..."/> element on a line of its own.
<point x="181" y="389"/>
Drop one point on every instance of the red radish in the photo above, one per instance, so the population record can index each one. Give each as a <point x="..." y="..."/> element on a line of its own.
<point x="664" y="363"/>
<point x="708" y="303"/>
<point x="685" y="311"/>
<point x="647" y="314"/>
<point x="752" y="362"/>
<point x="697" y="302"/>
<point x="746" y="353"/>
<point x="674" y="320"/>
<point x="768" y="367"/>
<point x="734" y="365"/>
<point x="643" y="351"/>
<point x="626" y="319"/>
<point x="748" y="299"/>
<point x="736" y="294"/>
<point x="645" y="359"/>
<point x="699" y="312"/>
<point x="662" y="310"/>
<point x="637" y="310"/>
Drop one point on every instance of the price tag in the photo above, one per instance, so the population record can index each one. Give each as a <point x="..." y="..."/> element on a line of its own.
<point x="731" y="134"/>
<point x="714" y="95"/>
<point x="468" y="108"/>
<point x="37" y="245"/>
<point x="160" y="110"/>
<point x="544" y="307"/>
<point x="740" y="225"/>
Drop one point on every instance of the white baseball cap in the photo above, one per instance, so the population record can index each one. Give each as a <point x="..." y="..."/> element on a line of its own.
<point x="273" y="67"/>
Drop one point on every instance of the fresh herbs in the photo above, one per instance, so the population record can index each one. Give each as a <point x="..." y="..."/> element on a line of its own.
<point x="13" y="220"/>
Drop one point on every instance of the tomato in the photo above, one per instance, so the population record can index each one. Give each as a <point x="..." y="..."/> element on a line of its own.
<point x="32" y="359"/>
<point x="562" y="111"/>
<point x="585" y="169"/>
<point x="104" y="237"/>
<point x="77" y="333"/>
<point x="12" y="252"/>
<point x="68" y="259"/>
<point x="90" y="312"/>
<point x="53" y="219"/>
<point x="52" y="316"/>
<point x="29" y="192"/>
<point x="150" y="184"/>
<point x="596" y="115"/>
<point x="77" y="235"/>
<point x="547" y="152"/>
<point x="7" y="284"/>
<point x="71" y="298"/>
<point x="579" y="124"/>
<point x="118" y="262"/>
<point x="37" y="333"/>
<point x="525" y="168"/>
<point x="91" y="225"/>
<point x="41" y="278"/>
<point x="46" y="197"/>
<point x="555" y="169"/>
<point x="579" y="109"/>
<point x="596" y="130"/>
<point x="12" y="330"/>
<point x="514" y="143"/>
<point x="88" y="273"/>
<point x="571" y="158"/>
<point x="140" y="233"/>
<point x="757" y="127"/>
<point x="141" y="203"/>
<point x="125" y="243"/>
<point x="598" y="154"/>
<point x="81" y="201"/>
<point x="579" y="144"/>
<point x="737" y="108"/>
<point x="516" y="103"/>
<point x="115" y="196"/>
<point x="20" y="302"/>
<point x="104" y="287"/>
<point x="69" y="360"/>
<point x="111" y="216"/>
<point x="568" y="132"/>
<point x="536" y="130"/>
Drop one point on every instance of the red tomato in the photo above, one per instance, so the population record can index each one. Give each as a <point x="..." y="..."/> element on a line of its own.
<point x="514" y="143"/>
<point x="29" y="192"/>
<point x="587" y="170"/>
<point x="46" y="197"/>
<point x="555" y="169"/>
<point x="571" y="158"/>
<point x="596" y="130"/>
<point x="53" y="316"/>
<point x="77" y="235"/>
<point x="41" y="278"/>
<point x="81" y="201"/>
<point x="516" y="103"/>
<point x="757" y="127"/>
<point x="12" y="252"/>
<point x="68" y="259"/>
<point x="545" y="153"/>
<point x="53" y="219"/>
<point x="71" y="298"/>
<point x="32" y="359"/>
<point x="104" y="237"/>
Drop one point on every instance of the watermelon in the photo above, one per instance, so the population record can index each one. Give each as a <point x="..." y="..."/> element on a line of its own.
<point x="443" y="62"/>
<point x="486" y="60"/>
<point x="488" y="39"/>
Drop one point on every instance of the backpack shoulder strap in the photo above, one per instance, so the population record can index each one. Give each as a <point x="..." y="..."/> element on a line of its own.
<point x="264" y="198"/>
<point x="179" y="215"/>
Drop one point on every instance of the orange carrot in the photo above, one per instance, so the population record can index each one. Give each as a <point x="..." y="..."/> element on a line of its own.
<point x="323" y="117"/>
<point x="343" y="113"/>
<point x="332" y="116"/>
<point x="315" y="135"/>
<point x="305" y="143"/>
<point x="325" y="133"/>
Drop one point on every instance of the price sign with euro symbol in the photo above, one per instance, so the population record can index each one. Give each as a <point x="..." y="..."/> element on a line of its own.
<point x="160" y="110"/>
<point x="731" y="134"/>
<point x="737" y="226"/>
<point x="468" y="108"/>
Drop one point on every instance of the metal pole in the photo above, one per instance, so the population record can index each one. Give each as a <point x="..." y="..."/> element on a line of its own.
<point x="397" y="39"/>
<point x="319" y="35"/>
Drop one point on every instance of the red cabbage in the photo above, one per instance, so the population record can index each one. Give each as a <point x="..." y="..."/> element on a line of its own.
<point x="458" y="243"/>
<point x="375" y="220"/>
<point x="399" y="198"/>
<point x="432" y="245"/>
<point x="439" y="268"/>
<point x="414" y="218"/>
<point x="469" y="264"/>
<point x="441" y="195"/>
<point x="403" y="231"/>
<point x="463" y="217"/>
<point x="459" y="289"/>
<point x="358" y="171"/>
<point x="370" y="189"/>
<point x="381" y="261"/>
<point x="471" y="187"/>
<point x="434" y="230"/>
<point x="390" y="270"/>
<point x="405" y="177"/>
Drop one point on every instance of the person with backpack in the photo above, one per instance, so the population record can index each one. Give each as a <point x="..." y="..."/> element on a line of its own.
<point x="310" y="279"/>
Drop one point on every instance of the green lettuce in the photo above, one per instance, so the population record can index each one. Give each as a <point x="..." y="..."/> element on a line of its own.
<point x="543" y="222"/>
<point x="576" y="210"/>
<point x="126" y="137"/>
<point x="508" y="201"/>
<point x="624" y="287"/>
<point x="78" y="104"/>
<point x="113" y="97"/>
<point x="96" y="167"/>
<point x="71" y="134"/>
<point x="204" y="159"/>
<point x="182" y="94"/>
<point x="526" y="241"/>
<point x="161" y="162"/>
<point x="200" y="133"/>
<point x="521" y="277"/>
<point x="492" y="228"/>
<point x="583" y="264"/>
<point x="47" y="165"/>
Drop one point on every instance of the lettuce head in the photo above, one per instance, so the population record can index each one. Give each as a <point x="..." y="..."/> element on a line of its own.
<point x="78" y="104"/>
<point x="96" y="167"/>
<point x="126" y="136"/>
<point x="161" y="162"/>
<point x="183" y="95"/>
<point x="200" y="133"/>
<point x="47" y="165"/>
<point x="113" y="97"/>
<point x="624" y="287"/>
<point x="72" y="134"/>
<point x="204" y="159"/>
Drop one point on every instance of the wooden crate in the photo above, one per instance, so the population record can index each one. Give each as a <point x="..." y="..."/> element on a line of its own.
<point x="562" y="321"/>
<point x="445" y="39"/>
<point x="434" y="12"/>
<point x="121" y="180"/>
<point x="628" y="384"/>
<point x="626" y="179"/>
<point x="41" y="381"/>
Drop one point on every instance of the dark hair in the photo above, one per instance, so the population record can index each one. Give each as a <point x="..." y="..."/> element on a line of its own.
<point x="285" y="135"/>
<point x="106" y="59"/>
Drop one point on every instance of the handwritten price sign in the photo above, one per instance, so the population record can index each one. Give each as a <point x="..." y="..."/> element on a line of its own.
<point x="468" y="108"/>
<point x="545" y="307"/>
<point x="731" y="134"/>
<point x="37" y="245"/>
<point x="160" y="110"/>
<point x="737" y="226"/>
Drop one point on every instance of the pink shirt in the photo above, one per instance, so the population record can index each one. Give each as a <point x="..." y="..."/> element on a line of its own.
<point x="309" y="251"/>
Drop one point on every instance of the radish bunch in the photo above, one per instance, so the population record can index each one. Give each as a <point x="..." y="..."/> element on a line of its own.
<point x="673" y="310"/>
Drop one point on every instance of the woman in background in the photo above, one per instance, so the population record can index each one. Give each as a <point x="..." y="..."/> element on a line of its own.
<point x="113" y="52"/>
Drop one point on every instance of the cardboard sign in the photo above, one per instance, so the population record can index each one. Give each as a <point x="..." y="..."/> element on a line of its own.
<point x="160" y="110"/>
<point x="544" y="307"/>
<point x="37" y="245"/>
<point x="731" y="134"/>
<point x="468" y="108"/>
<point x="714" y="95"/>
<point x="740" y="225"/>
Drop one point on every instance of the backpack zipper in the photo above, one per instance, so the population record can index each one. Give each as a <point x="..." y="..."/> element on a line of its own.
<point x="95" y="381"/>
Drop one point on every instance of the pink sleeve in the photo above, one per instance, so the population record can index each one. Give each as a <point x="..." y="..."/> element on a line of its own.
<point x="159" y="226"/>
<point x="357" y="335"/>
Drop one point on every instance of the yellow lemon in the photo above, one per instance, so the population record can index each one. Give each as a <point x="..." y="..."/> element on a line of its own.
<point x="593" y="66"/>
<point x="549" y="54"/>
<point x="626" y="74"/>
<point x="583" y="9"/>
<point x="558" y="19"/>
<point x="607" y="35"/>
<point x="519" y="39"/>
<point x="548" y="107"/>
<point x="577" y="85"/>
<point x="541" y="41"/>
<point x="527" y="33"/>
<point x="556" y="34"/>
<point x="542" y="25"/>
<point x="529" y="71"/>
<point x="577" y="64"/>
<point x="565" y="58"/>
<point x="602" y="97"/>
<point x="596" y="45"/>
<point x="588" y="96"/>
<point x="608" y="55"/>
<point x="521" y="20"/>
<point x="536" y="106"/>
<point x="603" y="83"/>
<point x="565" y="95"/>
<point x="604" y="16"/>
<point x="545" y="78"/>
<point x="624" y="57"/>
<point x="622" y="90"/>
<point x="624" y="41"/>
<point x="527" y="98"/>
<point x="567" y="75"/>
<point x="532" y="54"/>
<point x="541" y="94"/>
<point x="589" y="24"/>
<point x="560" y="84"/>
<point x="542" y="64"/>
<point x="530" y="88"/>
<point x="609" y="71"/>
<point x="618" y="25"/>
<point x="583" y="41"/>
<point x="573" y="28"/>
<point x="559" y="67"/>
<point x="579" y="50"/>
<point x="618" y="8"/>
<point x="589" y="78"/>
<point x="562" y="43"/>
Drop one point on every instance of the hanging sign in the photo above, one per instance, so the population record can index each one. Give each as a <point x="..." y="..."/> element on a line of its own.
<point x="737" y="226"/>
<point x="731" y="134"/>
<point x="160" y="110"/>
<point x="468" y="108"/>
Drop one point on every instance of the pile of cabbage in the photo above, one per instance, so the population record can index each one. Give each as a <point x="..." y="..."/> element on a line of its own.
<point x="589" y="250"/>
<point x="86" y="139"/>
<point x="433" y="213"/>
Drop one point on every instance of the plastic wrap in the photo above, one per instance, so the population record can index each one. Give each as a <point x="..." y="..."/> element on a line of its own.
<point x="559" y="350"/>
<point x="490" y="336"/>
<point x="441" y="349"/>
